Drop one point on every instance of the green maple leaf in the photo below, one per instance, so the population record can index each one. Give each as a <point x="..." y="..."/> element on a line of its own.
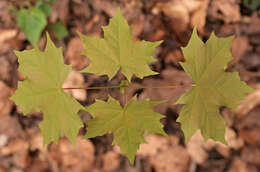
<point x="206" y="64"/>
<point x="118" y="51"/>
<point x="128" y="124"/>
<point x="45" y="73"/>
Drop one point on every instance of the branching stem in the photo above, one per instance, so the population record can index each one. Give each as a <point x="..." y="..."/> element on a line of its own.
<point x="130" y="86"/>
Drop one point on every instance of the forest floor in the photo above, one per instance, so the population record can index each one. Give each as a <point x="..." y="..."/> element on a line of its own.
<point x="152" y="20"/>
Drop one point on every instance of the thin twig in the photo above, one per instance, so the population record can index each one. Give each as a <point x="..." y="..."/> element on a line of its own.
<point x="131" y="86"/>
<point x="91" y="88"/>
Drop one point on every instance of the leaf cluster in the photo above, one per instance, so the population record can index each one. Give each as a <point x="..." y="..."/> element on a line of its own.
<point x="205" y="63"/>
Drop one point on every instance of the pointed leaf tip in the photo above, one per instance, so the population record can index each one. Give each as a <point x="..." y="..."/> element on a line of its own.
<point x="118" y="10"/>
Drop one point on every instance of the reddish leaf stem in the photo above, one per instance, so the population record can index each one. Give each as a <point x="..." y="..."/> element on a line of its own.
<point x="131" y="86"/>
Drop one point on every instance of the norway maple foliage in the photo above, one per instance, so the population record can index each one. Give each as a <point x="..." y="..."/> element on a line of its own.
<point x="45" y="73"/>
<point x="128" y="124"/>
<point x="117" y="50"/>
<point x="206" y="64"/>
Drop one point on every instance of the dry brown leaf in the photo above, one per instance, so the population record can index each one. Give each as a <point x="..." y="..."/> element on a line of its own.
<point x="7" y="34"/>
<point x="195" y="148"/>
<point x="251" y="155"/>
<point x="60" y="11"/>
<point x="5" y="69"/>
<point x="74" y="54"/>
<point x="233" y="140"/>
<point x="249" y="128"/>
<point x="176" y="9"/>
<point x="251" y="101"/>
<point x="81" y="9"/>
<point x="75" y="80"/>
<point x="165" y="154"/>
<point x="7" y="40"/>
<point x="226" y="10"/>
<point x="18" y="149"/>
<point x="106" y="6"/>
<point x="175" y="56"/>
<point x="10" y="127"/>
<point x="2" y="170"/>
<point x="175" y="159"/>
<point x="198" y="17"/>
<point x="239" y="46"/>
<point x="36" y="142"/>
<point x="111" y="161"/>
<point x="138" y="26"/>
<point x="184" y="12"/>
<point x="5" y="103"/>
<point x="240" y="166"/>
<point x="155" y="144"/>
<point x="253" y="25"/>
<point x="78" y="158"/>
<point x="250" y="135"/>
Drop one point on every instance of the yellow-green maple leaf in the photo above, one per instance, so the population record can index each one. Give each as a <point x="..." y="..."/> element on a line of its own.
<point x="118" y="51"/>
<point x="127" y="124"/>
<point x="206" y="64"/>
<point x="45" y="73"/>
